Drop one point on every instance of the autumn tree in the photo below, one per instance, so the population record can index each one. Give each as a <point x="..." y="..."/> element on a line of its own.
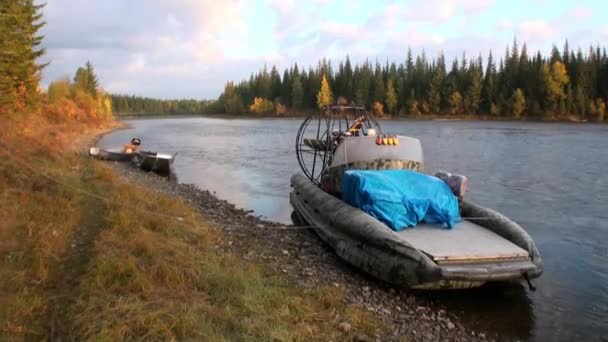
<point x="518" y="103"/>
<point x="58" y="90"/>
<point x="378" y="108"/>
<point x="555" y="79"/>
<point x="412" y="104"/>
<point x="325" y="96"/>
<point x="599" y="110"/>
<point x="455" y="101"/>
<point x="391" y="97"/>
<point x="231" y="100"/>
<point x="560" y="83"/>
<point x="20" y="21"/>
<point x="261" y="106"/>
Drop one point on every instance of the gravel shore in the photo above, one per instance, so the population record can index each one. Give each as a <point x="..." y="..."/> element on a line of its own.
<point x="309" y="262"/>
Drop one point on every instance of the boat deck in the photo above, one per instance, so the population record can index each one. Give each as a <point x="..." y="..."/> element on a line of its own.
<point x="467" y="242"/>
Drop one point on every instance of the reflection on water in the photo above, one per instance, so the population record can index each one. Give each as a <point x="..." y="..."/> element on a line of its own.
<point x="550" y="178"/>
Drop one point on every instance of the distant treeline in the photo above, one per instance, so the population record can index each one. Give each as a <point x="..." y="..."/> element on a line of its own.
<point x="562" y="85"/>
<point x="134" y="105"/>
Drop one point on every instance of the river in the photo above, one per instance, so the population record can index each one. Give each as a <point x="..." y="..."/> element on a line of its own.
<point x="551" y="178"/>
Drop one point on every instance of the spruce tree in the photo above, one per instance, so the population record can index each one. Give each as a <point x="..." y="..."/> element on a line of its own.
<point x="20" y="21"/>
<point x="286" y="84"/>
<point x="473" y="94"/>
<point x="81" y="79"/>
<point x="275" y="83"/>
<point x="348" y="80"/>
<point x="378" y="85"/>
<point x="92" y="82"/>
<point x="297" y="92"/>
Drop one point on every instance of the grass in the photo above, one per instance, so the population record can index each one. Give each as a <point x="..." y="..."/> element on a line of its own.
<point x="89" y="256"/>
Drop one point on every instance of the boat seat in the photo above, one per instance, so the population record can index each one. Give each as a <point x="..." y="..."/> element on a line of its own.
<point x="316" y="144"/>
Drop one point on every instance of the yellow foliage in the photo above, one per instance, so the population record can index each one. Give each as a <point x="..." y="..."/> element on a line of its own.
<point x="280" y="109"/>
<point x="58" y="90"/>
<point x="378" y="108"/>
<point x="325" y="96"/>
<point x="66" y="102"/>
<point x="518" y="103"/>
<point x="455" y="102"/>
<point x="555" y="79"/>
<point x="597" y="108"/>
<point x="261" y="105"/>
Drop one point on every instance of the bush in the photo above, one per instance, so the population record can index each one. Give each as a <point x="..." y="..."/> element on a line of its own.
<point x="58" y="90"/>
<point x="280" y="109"/>
<point x="597" y="109"/>
<point x="378" y="108"/>
<point x="261" y="105"/>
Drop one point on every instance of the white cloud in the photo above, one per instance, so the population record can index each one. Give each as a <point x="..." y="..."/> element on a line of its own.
<point x="344" y="31"/>
<point x="534" y="30"/>
<point x="137" y="64"/>
<point x="210" y="16"/>
<point x="191" y="47"/>
<point x="505" y="24"/>
<point x="477" y="5"/>
<point x="415" y="38"/>
<point x="580" y="13"/>
<point x="284" y="7"/>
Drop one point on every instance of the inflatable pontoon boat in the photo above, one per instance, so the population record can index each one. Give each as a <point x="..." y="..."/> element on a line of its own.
<point x="486" y="247"/>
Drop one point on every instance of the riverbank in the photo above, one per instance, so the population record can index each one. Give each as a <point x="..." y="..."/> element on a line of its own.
<point x="301" y="257"/>
<point x="88" y="255"/>
<point x="427" y="117"/>
<point x="96" y="250"/>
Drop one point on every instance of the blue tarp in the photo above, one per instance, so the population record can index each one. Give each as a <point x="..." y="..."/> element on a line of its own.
<point x="401" y="198"/>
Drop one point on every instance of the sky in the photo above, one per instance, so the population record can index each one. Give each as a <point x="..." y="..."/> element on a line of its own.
<point x="190" y="48"/>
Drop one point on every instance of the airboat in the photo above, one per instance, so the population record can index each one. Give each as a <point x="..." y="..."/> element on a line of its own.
<point x="485" y="246"/>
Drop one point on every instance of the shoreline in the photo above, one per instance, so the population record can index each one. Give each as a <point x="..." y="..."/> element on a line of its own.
<point x="438" y="118"/>
<point x="306" y="261"/>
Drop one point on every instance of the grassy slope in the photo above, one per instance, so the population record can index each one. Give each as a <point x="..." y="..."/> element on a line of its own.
<point x="94" y="257"/>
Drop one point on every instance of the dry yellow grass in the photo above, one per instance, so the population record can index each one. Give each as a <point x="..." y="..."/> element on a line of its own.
<point x="123" y="262"/>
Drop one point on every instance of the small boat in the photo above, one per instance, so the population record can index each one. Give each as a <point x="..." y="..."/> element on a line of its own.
<point x="484" y="246"/>
<point x="155" y="162"/>
<point x="115" y="154"/>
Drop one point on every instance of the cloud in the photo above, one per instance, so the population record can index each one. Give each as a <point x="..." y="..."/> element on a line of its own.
<point x="534" y="30"/>
<point x="137" y="64"/>
<point x="190" y="48"/>
<point x="505" y="24"/>
<point x="580" y="13"/>
<point x="476" y="6"/>
<point x="344" y="31"/>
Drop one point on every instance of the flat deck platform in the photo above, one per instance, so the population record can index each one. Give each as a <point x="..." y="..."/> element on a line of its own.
<point x="467" y="242"/>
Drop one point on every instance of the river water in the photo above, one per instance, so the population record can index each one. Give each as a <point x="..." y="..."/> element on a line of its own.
<point x="551" y="178"/>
